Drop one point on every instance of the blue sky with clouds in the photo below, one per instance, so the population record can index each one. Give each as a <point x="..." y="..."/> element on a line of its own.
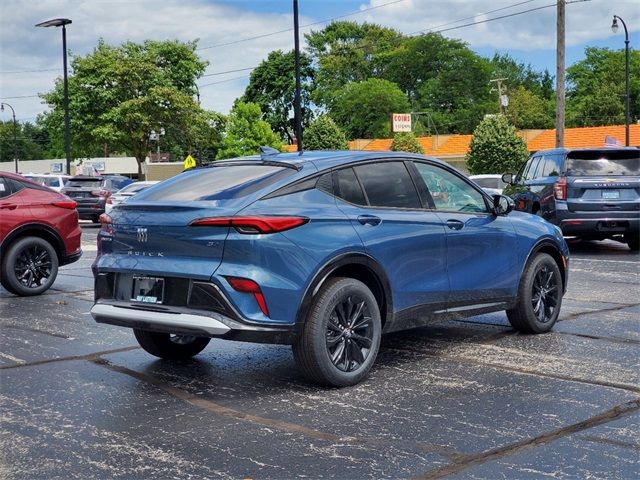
<point x="529" y="37"/>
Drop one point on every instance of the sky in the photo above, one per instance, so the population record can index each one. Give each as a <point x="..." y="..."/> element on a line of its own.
<point x="31" y="58"/>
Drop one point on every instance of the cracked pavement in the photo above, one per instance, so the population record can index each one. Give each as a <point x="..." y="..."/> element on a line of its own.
<point x="458" y="399"/>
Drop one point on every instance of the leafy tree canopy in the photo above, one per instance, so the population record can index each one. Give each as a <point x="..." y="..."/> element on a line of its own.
<point x="406" y="142"/>
<point x="272" y="88"/>
<point x="495" y="147"/>
<point x="363" y="109"/>
<point x="32" y="142"/>
<point x="324" y="134"/>
<point x="596" y="88"/>
<point x="347" y="52"/>
<point x="246" y="132"/>
<point x="528" y="110"/>
<point x="118" y="95"/>
<point x="519" y="74"/>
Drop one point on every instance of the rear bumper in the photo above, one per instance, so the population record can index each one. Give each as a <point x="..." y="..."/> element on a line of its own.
<point x="74" y="257"/>
<point x="189" y="322"/>
<point x="597" y="224"/>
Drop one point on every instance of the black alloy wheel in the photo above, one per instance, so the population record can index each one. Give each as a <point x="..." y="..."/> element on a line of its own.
<point x="341" y="335"/>
<point x="539" y="296"/>
<point x="29" y="266"/>
<point x="544" y="294"/>
<point x="32" y="268"/>
<point x="349" y="333"/>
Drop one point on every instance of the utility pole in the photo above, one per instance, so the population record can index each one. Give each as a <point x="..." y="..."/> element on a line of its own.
<point x="296" y="104"/>
<point x="560" y="74"/>
<point x="502" y="102"/>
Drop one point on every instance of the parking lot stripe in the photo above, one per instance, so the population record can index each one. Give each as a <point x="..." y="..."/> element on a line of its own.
<point x="468" y="461"/>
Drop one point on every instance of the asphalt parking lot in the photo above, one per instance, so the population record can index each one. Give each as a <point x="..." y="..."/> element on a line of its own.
<point x="460" y="399"/>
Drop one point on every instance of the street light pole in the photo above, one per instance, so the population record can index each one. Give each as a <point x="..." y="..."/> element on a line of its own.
<point x="15" y="141"/>
<point x="296" y="103"/>
<point x="614" y="28"/>
<point x="63" y="22"/>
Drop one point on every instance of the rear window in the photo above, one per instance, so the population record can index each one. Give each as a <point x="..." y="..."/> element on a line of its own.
<point x="134" y="187"/>
<point x="218" y="183"/>
<point x="89" y="183"/>
<point x="603" y="163"/>
<point x="488" y="182"/>
<point x="47" y="181"/>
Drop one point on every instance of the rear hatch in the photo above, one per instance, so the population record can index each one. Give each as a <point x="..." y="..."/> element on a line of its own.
<point x="152" y="231"/>
<point x="83" y="190"/>
<point x="603" y="180"/>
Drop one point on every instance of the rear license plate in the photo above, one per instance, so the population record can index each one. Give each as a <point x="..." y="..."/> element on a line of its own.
<point x="611" y="194"/>
<point x="148" y="290"/>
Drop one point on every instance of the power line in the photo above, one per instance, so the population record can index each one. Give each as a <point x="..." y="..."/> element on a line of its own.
<point x="503" y="16"/>
<point x="31" y="71"/>
<point x="20" y="96"/>
<point x="222" y="81"/>
<point x="471" y="17"/>
<point x="301" y="26"/>
<point x="228" y="71"/>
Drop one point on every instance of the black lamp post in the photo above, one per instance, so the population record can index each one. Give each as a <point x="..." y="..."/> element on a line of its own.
<point x="63" y="22"/>
<point x="614" y="28"/>
<point x="15" y="142"/>
<point x="296" y="102"/>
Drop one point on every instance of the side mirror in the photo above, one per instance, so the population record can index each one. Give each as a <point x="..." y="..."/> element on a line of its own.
<point x="508" y="178"/>
<point x="503" y="205"/>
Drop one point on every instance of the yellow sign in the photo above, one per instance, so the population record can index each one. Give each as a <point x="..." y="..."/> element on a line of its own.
<point x="189" y="162"/>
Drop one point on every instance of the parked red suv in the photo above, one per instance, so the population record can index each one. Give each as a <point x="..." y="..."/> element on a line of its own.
<point x="39" y="232"/>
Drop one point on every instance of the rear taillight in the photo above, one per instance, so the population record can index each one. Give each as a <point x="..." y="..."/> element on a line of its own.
<point x="104" y="219"/>
<point x="100" y="193"/>
<point x="68" y="204"/>
<point x="254" y="225"/>
<point x="560" y="189"/>
<point x="245" y="285"/>
<point x="105" y="231"/>
<point x="110" y="201"/>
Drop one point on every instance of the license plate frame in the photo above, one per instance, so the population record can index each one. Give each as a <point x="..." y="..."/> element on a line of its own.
<point x="147" y="290"/>
<point x="611" y="194"/>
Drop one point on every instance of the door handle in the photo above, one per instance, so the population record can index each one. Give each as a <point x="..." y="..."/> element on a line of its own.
<point x="455" y="224"/>
<point x="6" y="206"/>
<point x="369" y="220"/>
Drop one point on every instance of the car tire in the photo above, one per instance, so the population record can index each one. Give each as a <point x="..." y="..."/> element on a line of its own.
<point x="169" y="346"/>
<point x="29" y="267"/>
<point x="539" y="296"/>
<point x="633" y="242"/>
<point x="341" y="337"/>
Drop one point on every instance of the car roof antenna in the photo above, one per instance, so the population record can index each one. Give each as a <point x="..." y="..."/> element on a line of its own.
<point x="267" y="152"/>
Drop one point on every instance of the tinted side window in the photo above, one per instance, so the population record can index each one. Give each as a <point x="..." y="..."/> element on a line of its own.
<point x="388" y="184"/>
<point x="530" y="169"/>
<point x="347" y="187"/>
<point x="4" y="188"/>
<point x="450" y="192"/>
<point x="550" y="166"/>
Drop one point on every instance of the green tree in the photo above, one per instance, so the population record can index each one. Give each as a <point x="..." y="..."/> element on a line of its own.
<point x="347" y="52"/>
<point x="323" y="134"/>
<point x="363" y="109"/>
<point x="528" y="110"/>
<point x="272" y="87"/>
<point x="596" y="87"/>
<point x="445" y="78"/>
<point x="495" y="147"/>
<point x="31" y="141"/>
<point x="118" y="95"/>
<point x="246" y="132"/>
<point x="406" y="142"/>
<point x="519" y="74"/>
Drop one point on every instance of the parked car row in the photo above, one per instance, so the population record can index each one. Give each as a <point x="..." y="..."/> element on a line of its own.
<point x="591" y="193"/>
<point x="39" y="228"/>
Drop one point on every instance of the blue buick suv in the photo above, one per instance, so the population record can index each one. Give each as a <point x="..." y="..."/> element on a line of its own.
<point x="324" y="251"/>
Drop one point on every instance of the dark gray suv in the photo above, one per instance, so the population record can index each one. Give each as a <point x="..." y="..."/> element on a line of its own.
<point x="589" y="193"/>
<point x="91" y="193"/>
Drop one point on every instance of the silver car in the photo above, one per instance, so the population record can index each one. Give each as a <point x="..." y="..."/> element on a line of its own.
<point x="125" y="193"/>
